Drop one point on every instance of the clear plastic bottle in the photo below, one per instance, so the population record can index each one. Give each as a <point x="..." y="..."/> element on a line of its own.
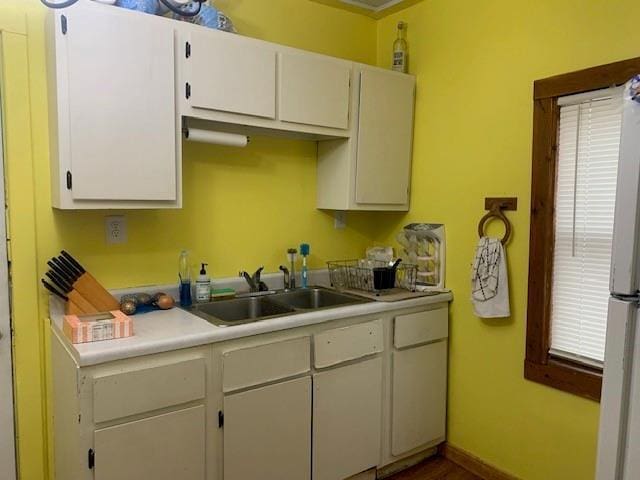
<point x="400" y="50"/>
<point x="184" y="272"/>
<point x="203" y="285"/>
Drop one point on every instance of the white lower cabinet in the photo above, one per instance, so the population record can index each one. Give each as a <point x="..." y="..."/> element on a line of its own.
<point x="419" y="393"/>
<point x="267" y="432"/>
<point x="347" y="408"/>
<point x="164" y="447"/>
<point x="323" y="402"/>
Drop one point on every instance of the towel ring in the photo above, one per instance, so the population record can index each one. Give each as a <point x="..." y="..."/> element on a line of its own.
<point x="496" y="212"/>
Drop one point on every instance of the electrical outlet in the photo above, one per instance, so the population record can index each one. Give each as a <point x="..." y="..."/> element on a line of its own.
<point x="115" y="229"/>
<point x="339" y="219"/>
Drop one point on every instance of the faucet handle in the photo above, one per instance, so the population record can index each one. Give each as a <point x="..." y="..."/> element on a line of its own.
<point x="257" y="274"/>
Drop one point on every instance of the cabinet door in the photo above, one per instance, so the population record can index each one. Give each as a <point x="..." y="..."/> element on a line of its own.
<point x="166" y="447"/>
<point x="314" y="90"/>
<point x="419" y="397"/>
<point x="385" y="137"/>
<point x="121" y="95"/>
<point x="267" y="432"/>
<point x="233" y="74"/>
<point x="347" y="413"/>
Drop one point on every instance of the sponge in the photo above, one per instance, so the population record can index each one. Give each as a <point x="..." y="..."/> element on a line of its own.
<point x="222" y="293"/>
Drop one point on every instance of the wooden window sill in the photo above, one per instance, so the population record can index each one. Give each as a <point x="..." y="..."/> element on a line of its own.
<point x="567" y="376"/>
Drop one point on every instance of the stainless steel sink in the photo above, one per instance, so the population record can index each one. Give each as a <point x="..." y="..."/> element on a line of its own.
<point x="263" y="306"/>
<point x="240" y="310"/>
<point x="315" y="298"/>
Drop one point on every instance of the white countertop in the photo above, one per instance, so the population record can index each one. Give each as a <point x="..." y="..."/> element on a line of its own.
<point x="163" y="331"/>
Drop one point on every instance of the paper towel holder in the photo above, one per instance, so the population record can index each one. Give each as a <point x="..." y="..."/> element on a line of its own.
<point x="215" y="137"/>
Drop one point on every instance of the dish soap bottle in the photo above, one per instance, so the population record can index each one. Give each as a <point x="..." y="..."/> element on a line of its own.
<point x="304" y="252"/>
<point x="185" y="279"/>
<point x="203" y="285"/>
<point x="400" y="54"/>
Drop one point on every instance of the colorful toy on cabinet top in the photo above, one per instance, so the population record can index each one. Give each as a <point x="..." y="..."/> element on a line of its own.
<point x="424" y="245"/>
<point x="634" y="88"/>
<point x="193" y="11"/>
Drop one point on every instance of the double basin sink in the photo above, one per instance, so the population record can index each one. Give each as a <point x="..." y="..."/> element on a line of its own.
<point x="260" y="307"/>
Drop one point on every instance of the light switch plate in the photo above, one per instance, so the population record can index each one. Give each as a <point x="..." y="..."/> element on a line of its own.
<point x="115" y="227"/>
<point x="340" y="219"/>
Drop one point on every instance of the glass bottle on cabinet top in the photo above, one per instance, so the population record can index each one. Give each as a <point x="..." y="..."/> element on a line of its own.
<point x="400" y="50"/>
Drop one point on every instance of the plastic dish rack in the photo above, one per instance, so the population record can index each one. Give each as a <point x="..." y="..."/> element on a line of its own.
<point x="358" y="275"/>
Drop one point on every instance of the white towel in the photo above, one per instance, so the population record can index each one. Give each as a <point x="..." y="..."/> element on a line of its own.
<point x="489" y="282"/>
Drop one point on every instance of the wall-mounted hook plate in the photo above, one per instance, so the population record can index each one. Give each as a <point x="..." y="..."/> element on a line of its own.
<point x="502" y="203"/>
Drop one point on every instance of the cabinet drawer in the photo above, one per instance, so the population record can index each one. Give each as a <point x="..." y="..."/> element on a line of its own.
<point x="146" y="389"/>
<point x="348" y="343"/>
<point x="421" y="327"/>
<point x="247" y="367"/>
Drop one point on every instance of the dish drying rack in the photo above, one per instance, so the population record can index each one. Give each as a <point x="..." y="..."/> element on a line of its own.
<point x="358" y="275"/>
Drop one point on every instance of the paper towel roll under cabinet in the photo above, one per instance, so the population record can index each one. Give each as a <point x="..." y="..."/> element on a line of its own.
<point x="216" y="138"/>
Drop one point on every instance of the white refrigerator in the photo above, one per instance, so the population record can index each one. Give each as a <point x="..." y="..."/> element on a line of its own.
<point x="619" y="438"/>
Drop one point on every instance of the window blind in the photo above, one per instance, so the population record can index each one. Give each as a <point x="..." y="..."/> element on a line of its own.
<point x="587" y="165"/>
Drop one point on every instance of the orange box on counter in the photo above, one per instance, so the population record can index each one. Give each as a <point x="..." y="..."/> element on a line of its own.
<point x="97" y="326"/>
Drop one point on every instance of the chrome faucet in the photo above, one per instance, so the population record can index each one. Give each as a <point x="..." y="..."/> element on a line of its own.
<point x="254" y="282"/>
<point x="289" y="283"/>
<point x="291" y="255"/>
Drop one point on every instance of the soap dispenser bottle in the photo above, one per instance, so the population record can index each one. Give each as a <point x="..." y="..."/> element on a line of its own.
<point x="203" y="285"/>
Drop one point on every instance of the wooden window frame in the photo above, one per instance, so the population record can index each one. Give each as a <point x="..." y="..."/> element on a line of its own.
<point x="539" y="365"/>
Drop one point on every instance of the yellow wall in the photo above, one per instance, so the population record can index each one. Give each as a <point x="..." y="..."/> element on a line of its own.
<point x="475" y="63"/>
<point x="242" y="208"/>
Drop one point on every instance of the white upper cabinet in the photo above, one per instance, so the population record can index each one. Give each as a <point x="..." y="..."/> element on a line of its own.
<point x="314" y="90"/>
<point x="231" y="73"/>
<point x="385" y="134"/>
<point x="113" y="116"/>
<point x="372" y="169"/>
<point x="123" y="83"/>
<point x="243" y="83"/>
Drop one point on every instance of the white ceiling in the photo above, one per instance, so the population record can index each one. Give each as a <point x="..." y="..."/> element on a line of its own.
<point x="371" y="8"/>
<point x="374" y="5"/>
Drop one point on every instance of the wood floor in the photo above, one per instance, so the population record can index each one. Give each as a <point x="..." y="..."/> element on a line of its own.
<point x="435" y="468"/>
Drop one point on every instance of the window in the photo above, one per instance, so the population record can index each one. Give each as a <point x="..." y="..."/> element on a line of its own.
<point x="575" y="154"/>
<point x="586" y="176"/>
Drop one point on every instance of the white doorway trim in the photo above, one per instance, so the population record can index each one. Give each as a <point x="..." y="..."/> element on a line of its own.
<point x="7" y="417"/>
